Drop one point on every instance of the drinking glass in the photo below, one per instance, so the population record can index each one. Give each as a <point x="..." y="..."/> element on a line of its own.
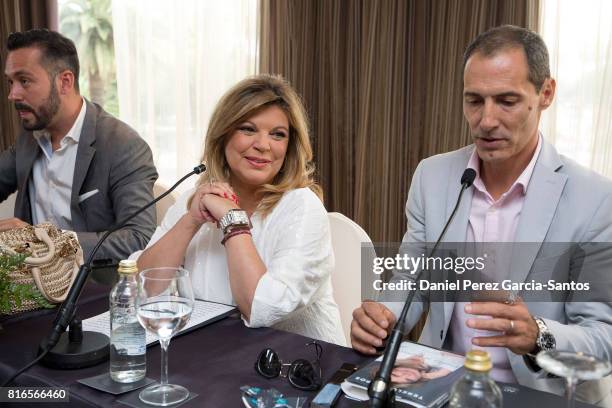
<point x="573" y="366"/>
<point x="164" y="305"/>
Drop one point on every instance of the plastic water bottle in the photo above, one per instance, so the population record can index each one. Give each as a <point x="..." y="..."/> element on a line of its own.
<point x="476" y="389"/>
<point x="128" y="338"/>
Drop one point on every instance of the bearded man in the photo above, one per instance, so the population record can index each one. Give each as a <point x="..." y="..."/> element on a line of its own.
<point x="74" y="165"/>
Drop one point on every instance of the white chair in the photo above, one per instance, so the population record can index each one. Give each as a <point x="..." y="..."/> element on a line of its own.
<point x="7" y="207"/>
<point x="162" y="206"/>
<point x="347" y="237"/>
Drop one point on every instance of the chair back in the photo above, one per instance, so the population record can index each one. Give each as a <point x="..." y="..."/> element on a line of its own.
<point x="162" y="206"/>
<point x="347" y="237"/>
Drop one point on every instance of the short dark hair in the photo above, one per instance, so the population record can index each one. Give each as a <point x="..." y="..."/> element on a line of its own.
<point x="58" y="52"/>
<point x="503" y="37"/>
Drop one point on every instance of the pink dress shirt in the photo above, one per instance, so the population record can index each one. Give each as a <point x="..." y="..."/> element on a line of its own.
<point x="491" y="221"/>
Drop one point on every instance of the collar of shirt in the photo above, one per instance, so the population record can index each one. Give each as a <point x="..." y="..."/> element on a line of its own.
<point x="522" y="180"/>
<point x="74" y="134"/>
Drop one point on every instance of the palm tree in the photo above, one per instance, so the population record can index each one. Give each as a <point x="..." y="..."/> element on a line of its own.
<point x="89" y="25"/>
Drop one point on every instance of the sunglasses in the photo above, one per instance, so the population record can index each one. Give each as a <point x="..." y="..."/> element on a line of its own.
<point x="301" y="374"/>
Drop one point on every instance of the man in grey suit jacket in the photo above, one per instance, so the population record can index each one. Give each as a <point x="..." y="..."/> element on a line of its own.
<point x="524" y="192"/>
<point x="74" y="164"/>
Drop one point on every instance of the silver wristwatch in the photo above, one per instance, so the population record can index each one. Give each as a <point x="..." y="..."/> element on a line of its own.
<point x="545" y="339"/>
<point x="234" y="218"/>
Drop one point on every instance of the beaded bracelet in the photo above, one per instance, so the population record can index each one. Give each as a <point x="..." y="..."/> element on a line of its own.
<point x="234" y="232"/>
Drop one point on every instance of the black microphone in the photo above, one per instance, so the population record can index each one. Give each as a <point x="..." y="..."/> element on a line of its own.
<point x="378" y="390"/>
<point x="468" y="177"/>
<point x="69" y="356"/>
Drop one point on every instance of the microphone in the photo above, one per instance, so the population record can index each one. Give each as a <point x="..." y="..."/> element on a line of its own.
<point x="71" y="355"/>
<point x="379" y="388"/>
<point x="468" y="177"/>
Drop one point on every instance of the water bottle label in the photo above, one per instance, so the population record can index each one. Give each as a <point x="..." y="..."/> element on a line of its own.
<point x="129" y="339"/>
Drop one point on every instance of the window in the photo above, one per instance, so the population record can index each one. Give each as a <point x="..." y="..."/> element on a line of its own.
<point x="579" y="39"/>
<point x="161" y="66"/>
<point x="174" y="61"/>
<point x="89" y="24"/>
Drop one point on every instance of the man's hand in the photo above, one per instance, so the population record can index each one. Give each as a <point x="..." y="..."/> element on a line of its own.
<point x="519" y="330"/>
<point x="10" y="223"/>
<point x="372" y="323"/>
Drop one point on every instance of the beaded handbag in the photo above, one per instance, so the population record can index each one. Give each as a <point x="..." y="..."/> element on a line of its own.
<point x="52" y="263"/>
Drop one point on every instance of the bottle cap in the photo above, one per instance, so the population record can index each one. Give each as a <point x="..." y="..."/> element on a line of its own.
<point x="478" y="360"/>
<point x="127" y="266"/>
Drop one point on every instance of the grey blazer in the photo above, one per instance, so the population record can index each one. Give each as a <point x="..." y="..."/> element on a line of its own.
<point x="564" y="203"/>
<point x="112" y="159"/>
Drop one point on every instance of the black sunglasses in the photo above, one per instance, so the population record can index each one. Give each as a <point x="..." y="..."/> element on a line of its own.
<point x="302" y="374"/>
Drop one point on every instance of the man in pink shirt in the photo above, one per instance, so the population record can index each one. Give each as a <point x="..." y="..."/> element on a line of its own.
<point x="524" y="191"/>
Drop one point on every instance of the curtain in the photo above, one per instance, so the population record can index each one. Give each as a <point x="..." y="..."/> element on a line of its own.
<point x="579" y="122"/>
<point x="18" y="15"/>
<point x="173" y="64"/>
<point x="382" y="82"/>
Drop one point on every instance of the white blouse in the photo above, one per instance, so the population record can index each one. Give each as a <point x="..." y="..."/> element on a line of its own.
<point x="294" y="243"/>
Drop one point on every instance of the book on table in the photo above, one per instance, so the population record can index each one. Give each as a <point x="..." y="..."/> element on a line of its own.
<point x="422" y="376"/>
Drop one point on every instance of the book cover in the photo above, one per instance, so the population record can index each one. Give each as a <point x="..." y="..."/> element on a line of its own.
<point x="422" y="376"/>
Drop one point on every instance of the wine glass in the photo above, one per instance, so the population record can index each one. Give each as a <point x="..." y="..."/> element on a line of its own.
<point x="574" y="367"/>
<point x="164" y="305"/>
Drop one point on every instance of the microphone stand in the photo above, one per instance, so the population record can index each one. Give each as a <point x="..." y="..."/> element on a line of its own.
<point x="379" y="388"/>
<point x="78" y="349"/>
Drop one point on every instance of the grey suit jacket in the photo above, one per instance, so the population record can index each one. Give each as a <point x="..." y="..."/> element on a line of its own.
<point x="112" y="159"/>
<point x="564" y="203"/>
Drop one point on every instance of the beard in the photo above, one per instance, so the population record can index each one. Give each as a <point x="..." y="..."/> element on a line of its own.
<point x="44" y="114"/>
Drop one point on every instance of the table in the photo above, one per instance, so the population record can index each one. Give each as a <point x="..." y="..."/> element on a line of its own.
<point x="212" y="361"/>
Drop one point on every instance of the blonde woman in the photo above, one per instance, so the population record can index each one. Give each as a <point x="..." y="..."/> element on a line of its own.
<point x="254" y="231"/>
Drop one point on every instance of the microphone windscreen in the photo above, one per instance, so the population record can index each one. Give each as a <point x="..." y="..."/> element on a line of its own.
<point x="199" y="169"/>
<point x="468" y="177"/>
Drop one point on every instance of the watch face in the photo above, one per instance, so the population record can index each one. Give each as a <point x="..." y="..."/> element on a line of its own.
<point x="240" y="217"/>
<point x="547" y="341"/>
<point x="234" y="218"/>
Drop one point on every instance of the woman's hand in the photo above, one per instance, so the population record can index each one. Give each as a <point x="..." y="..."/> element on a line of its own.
<point x="198" y="211"/>
<point x="216" y="207"/>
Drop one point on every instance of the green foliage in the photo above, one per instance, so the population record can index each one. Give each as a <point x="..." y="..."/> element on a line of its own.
<point x="89" y="24"/>
<point x="13" y="293"/>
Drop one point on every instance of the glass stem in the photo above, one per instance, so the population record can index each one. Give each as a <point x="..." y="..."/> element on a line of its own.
<point x="570" y="391"/>
<point x="164" y="343"/>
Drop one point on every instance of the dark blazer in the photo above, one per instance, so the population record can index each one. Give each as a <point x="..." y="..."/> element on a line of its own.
<point x="112" y="159"/>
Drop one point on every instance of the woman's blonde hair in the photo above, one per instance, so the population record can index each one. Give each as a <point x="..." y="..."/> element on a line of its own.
<point x="243" y="101"/>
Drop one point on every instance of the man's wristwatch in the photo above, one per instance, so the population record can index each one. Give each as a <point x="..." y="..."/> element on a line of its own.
<point x="234" y="218"/>
<point x="545" y="340"/>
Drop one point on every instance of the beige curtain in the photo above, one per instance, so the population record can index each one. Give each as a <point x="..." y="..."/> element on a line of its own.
<point x="382" y="82"/>
<point x="18" y="15"/>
